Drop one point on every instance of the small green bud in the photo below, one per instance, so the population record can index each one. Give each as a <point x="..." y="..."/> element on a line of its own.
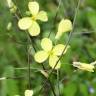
<point x="13" y="9"/>
<point x="9" y="26"/>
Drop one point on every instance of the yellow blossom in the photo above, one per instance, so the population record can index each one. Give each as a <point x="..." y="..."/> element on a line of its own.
<point x="30" y="23"/>
<point x="65" y="25"/>
<point x="12" y="6"/>
<point x="28" y="92"/>
<point x="49" y="51"/>
<point x="84" y="66"/>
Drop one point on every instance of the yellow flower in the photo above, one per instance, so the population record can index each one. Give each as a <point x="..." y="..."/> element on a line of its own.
<point x="28" y="92"/>
<point x="12" y="6"/>
<point x="51" y="52"/>
<point x="29" y="23"/>
<point x="65" y="25"/>
<point x="84" y="66"/>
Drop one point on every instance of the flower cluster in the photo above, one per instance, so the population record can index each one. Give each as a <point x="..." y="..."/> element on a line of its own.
<point x="30" y="24"/>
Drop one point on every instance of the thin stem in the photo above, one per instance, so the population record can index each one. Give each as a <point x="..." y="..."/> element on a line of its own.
<point x="17" y="16"/>
<point x="53" y="23"/>
<point x="32" y="41"/>
<point x="4" y="78"/>
<point x="51" y="87"/>
<point x="49" y="81"/>
<point x="58" y="82"/>
<point x="43" y="66"/>
<point x="25" y="68"/>
<point x="29" y="70"/>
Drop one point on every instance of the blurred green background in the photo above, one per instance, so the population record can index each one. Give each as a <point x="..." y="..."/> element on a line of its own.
<point x="14" y="53"/>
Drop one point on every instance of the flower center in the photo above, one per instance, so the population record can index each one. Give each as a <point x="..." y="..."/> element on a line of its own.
<point x="51" y="53"/>
<point x="34" y="18"/>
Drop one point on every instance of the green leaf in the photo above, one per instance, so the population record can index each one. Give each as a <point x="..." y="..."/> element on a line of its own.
<point x="91" y="14"/>
<point x="83" y="89"/>
<point x="70" y="89"/>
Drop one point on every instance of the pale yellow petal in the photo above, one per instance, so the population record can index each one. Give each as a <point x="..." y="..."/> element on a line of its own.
<point x="84" y="66"/>
<point x="58" y="49"/>
<point x="34" y="30"/>
<point x="28" y="92"/>
<point x="42" y="15"/>
<point x="65" y="25"/>
<point x="33" y="7"/>
<point x="93" y="63"/>
<point x="25" y="23"/>
<point x="10" y="3"/>
<point x="52" y="62"/>
<point x="46" y="44"/>
<point x="87" y="67"/>
<point x="41" y="56"/>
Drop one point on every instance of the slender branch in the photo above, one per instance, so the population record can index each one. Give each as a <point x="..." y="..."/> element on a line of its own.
<point x="29" y="70"/>
<point x="4" y="78"/>
<point x="25" y="68"/>
<point x="49" y="81"/>
<point x="51" y="87"/>
<point x="53" y="23"/>
<point x="58" y="82"/>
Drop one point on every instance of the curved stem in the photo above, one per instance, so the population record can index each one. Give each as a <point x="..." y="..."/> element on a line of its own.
<point x="58" y="82"/>
<point x="53" y="23"/>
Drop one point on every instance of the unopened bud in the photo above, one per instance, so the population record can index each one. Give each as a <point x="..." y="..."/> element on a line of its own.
<point x="11" y="6"/>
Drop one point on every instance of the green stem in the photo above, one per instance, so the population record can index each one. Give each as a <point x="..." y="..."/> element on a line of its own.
<point x="53" y="23"/>
<point x="52" y="88"/>
<point x="58" y="82"/>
